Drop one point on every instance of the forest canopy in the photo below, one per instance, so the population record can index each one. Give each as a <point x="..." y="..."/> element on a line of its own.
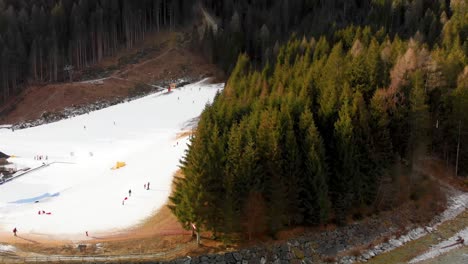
<point x="306" y="133"/>
<point x="324" y="96"/>
<point x="39" y="38"/>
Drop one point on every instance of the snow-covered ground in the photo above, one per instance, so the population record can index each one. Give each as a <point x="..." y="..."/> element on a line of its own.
<point x="443" y="247"/>
<point x="7" y="248"/>
<point x="457" y="204"/>
<point x="77" y="186"/>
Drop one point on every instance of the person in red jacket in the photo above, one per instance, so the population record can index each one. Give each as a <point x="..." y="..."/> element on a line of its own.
<point x="14" y="231"/>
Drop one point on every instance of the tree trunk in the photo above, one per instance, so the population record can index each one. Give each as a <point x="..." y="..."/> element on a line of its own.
<point x="40" y="63"/>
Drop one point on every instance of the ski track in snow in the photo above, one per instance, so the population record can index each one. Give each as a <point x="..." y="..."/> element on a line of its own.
<point x="78" y="188"/>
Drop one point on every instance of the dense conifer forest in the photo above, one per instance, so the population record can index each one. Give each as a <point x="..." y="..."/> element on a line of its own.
<point x="324" y="97"/>
<point x="306" y="131"/>
<point x="40" y="38"/>
<point x="260" y="27"/>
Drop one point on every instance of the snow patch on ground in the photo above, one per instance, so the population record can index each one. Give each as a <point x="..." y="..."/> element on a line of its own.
<point x="457" y="203"/>
<point x="77" y="185"/>
<point x="442" y="247"/>
<point x="7" y="248"/>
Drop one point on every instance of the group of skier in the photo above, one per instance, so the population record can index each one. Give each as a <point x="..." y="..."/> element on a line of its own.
<point x="42" y="212"/>
<point x="146" y="186"/>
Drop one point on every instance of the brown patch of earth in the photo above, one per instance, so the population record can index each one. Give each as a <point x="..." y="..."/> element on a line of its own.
<point x="184" y="134"/>
<point x="166" y="57"/>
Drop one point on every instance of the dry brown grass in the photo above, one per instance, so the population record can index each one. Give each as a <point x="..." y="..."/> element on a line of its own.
<point x="445" y="173"/>
<point x="385" y="239"/>
<point x="329" y="259"/>
<point x="184" y="134"/>
<point x="151" y="40"/>
<point x="357" y="251"/>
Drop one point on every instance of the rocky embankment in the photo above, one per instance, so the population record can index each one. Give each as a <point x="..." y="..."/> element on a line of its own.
<point x="336" y="246"/>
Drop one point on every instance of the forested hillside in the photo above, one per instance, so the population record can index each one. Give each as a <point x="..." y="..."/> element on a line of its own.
<point x="325" y="98"/>
<point x="308" y="137"/>
<point x="260" y="27"/>
<point x="39" y="38"/>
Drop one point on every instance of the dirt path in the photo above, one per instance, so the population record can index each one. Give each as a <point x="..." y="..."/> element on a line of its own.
<point x="419" y="247"/>
<point x="443" y="247"/>
<point x="448" y="226"/>
<point x="117" y="74"/>
<point x="457" y="256"/>
<point x="141" y="64"/>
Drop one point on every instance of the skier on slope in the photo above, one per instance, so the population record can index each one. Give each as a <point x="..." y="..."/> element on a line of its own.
<point x="129" y="193"/>
<point x="14" y="231"/>
<point x="147" y="186"/>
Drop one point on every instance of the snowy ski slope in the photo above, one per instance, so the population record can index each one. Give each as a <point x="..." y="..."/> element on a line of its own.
<point x="78" y="187"/>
